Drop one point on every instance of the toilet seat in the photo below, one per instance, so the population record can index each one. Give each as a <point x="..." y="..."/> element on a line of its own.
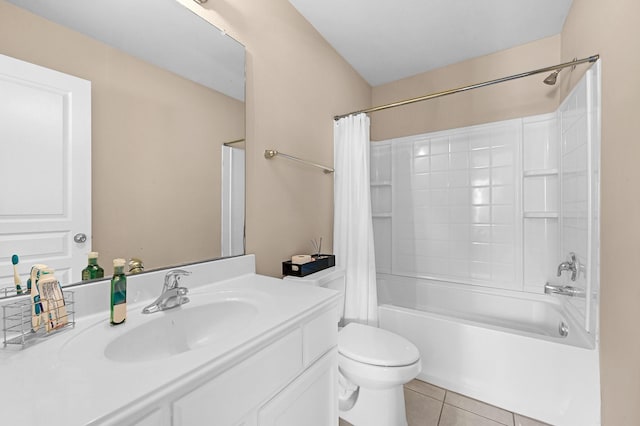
<point x="376" y="376"/>
<point x="375" y="346"/>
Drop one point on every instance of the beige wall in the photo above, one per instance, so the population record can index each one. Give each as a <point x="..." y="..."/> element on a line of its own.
<point x="295" y="84"/>
<point x="517" y="98"/>
<point x="611" y="29"/>
<point x="155" y="139"/>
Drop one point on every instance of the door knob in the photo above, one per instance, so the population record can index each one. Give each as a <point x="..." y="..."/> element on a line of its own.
<point x="80" y="238"/>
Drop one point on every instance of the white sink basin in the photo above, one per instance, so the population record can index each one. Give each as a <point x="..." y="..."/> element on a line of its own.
<point x="181" y="329"/>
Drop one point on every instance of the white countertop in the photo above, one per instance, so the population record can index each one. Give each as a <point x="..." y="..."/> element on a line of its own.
<point x="67" y="380"/>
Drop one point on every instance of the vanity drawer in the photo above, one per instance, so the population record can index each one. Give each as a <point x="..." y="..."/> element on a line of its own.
<point x="319" y="335"/>
<point x="227" y="398"/>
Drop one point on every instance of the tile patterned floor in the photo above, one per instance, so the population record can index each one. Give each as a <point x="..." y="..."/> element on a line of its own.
<point x="429" y="405"/>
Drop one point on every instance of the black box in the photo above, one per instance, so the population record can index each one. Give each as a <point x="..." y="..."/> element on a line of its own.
<point x="321" y="262"/>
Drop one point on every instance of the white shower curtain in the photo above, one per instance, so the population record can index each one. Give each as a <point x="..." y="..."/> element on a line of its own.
<point x="353" y="226"/>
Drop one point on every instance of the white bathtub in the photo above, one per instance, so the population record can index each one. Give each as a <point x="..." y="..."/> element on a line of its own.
<point x="501" y="347"/>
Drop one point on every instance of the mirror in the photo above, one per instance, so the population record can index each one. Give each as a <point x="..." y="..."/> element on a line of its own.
<point x="167" y="92"/>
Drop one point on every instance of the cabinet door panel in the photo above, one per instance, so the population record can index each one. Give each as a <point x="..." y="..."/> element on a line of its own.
<point x="226" y="399"/>
<point x="311" y="400"/>
<point x="319" y="335"/>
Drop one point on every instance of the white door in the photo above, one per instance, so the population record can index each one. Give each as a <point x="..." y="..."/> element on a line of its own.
<point x="232" y="201"/>
<point x="45" y="170"/>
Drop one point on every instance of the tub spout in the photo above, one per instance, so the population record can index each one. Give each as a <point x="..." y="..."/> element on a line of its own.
<point x="563" y="290"/>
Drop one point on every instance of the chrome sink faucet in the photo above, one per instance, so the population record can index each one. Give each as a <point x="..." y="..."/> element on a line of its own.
<point x="172" y="294"/>
<point x="570" y="265"/>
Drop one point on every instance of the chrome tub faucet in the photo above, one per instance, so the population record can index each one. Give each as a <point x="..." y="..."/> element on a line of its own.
<point x="563" y="290"/>
<point x="570" y="265"/>
<point x="172" y="294"/>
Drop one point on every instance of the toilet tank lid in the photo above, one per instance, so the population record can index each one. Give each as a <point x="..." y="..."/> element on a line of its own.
<point x="375" y="346"/>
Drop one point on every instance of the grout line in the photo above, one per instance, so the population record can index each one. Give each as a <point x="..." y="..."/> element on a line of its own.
<point x="442" y="407"/>
<point x="446" y="392"/>
<point x="425" y="394"/>
<point x="480" y="415"/>
<point x="486" y="404"/>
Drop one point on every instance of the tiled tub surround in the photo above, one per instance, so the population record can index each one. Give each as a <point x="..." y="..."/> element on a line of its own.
<point x="285" y="355"/>
<point x="492" y="210"/>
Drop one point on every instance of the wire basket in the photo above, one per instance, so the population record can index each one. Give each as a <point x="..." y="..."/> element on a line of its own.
<point x="20" y="329"/>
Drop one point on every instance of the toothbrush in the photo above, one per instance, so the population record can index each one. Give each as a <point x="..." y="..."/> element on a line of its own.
<point x="16" y="277"/>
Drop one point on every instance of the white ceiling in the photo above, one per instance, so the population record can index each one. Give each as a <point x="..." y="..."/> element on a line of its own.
<point x="162" y="32"/>
<point x="388" y="40"/>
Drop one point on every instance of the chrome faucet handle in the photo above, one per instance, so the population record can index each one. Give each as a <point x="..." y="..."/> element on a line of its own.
<point x="564" y="266"/>
<point x="572" y="264"/>
<point x="172" y="278"/>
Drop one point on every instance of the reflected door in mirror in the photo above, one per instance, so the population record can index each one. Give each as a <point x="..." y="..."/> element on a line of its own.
<point x="45" y="169"/>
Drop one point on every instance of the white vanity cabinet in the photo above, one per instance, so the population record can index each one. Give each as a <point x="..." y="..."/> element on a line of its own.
<point x="291" y="381"/>
<point x="266" y="356"/>
<point x="305" y="402"/>
<point x="228" y="398"/>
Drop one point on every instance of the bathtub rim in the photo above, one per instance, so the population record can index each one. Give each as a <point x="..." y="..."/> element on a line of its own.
<point x="578" y="336"/>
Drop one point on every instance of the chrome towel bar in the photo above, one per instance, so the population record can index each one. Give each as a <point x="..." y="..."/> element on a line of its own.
<point x="270" y="153"/>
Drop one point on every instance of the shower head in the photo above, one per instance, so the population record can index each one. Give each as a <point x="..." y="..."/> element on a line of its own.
<point x="551" y="79"/>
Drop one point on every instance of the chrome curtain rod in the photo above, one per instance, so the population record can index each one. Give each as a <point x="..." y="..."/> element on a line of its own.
<point x="270" y="153"/>
<point x="473" y="86"/>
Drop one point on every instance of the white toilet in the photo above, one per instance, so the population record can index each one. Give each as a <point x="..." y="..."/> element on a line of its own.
<point x="373" y="365"/>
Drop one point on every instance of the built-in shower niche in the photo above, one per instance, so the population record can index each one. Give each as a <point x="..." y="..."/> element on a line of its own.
<point x="540" y="200"/>
<point x="381" y="202"/>
<point x="496" y="205"/>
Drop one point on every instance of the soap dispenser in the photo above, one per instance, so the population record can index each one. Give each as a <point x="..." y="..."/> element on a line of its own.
<point x="118" y="293"/>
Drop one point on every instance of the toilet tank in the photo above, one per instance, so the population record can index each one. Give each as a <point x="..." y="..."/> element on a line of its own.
<point x="333" y="278"/>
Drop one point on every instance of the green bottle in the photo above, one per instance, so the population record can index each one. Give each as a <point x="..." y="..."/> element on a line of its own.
<point x="93" y="270"/>
<point x="118" y="293"/>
